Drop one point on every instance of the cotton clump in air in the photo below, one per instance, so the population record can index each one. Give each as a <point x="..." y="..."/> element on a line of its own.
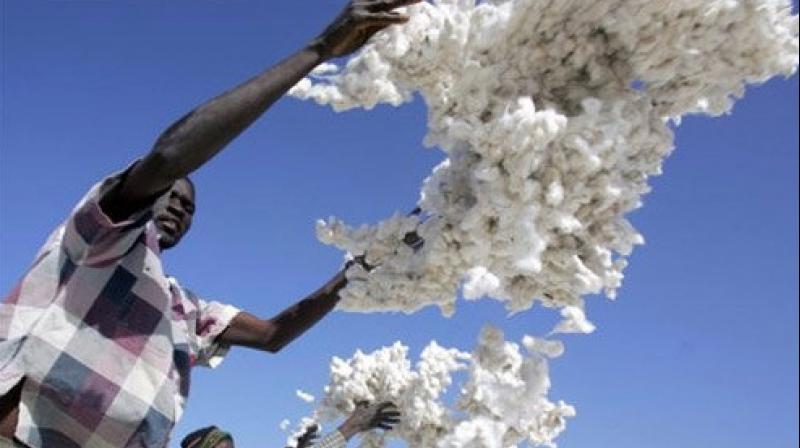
<point x="480" y="282"/>
<point x="503" y="400"/>
<point x="573" y="321"/>
<point x="305" y="396"/>
<point x="552" y="116"/>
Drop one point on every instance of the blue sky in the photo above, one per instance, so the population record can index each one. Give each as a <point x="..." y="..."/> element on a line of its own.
<point x="699" y="350"/>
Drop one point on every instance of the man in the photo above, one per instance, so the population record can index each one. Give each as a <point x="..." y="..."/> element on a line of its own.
<point x="96" y="342"/>
<point x="364" y="417"/>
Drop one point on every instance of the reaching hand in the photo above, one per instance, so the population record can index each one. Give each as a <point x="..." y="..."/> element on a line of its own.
<point x="309" y="437"/>
<point x="365" y="417"/>
<point x="359" y="21"/>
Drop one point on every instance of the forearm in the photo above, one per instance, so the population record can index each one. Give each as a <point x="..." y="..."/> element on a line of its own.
<point x="295" y="320"/>
<point x="202" y="133"/>
<point x="347" y="430"/>
<point x="273" y="334"/>
<point x="196" y="137"/>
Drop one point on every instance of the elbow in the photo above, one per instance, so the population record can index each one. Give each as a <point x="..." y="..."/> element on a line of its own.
<point x="162" y="166"/>
<point x="167" y="161"/>
<point x="271" y="340"/>
<point x="272" y="346"/>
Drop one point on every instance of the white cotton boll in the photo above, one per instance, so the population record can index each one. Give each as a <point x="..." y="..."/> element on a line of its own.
<point x="555" y="193"/>
<point x="592" y="106"/>
<point x="592" y="283"/>
<point x="574" y="321"/>
<point x="546" y="347"/>
<point x="326" y="68"/>
<point x="568" y="223"/>
<point x="531" y="263"/>
<point x="301" y="89"/>
<point x="325" y="233"/>
<point x="480" y="282"/>
<point x="308" y="398"/>
<point x="503" y="400"/>
<point x="481" y="432"/>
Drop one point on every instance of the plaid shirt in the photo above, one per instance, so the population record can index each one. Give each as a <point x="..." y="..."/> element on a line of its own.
<point x="104" y="339"/>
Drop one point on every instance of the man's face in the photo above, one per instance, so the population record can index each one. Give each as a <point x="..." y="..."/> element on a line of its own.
<point x="173" y="212"/>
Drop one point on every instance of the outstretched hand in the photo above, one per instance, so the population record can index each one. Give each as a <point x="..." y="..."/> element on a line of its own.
<point x="359" y="21"/>
<point x="309" y="437"/>
<point x="365" y="417"/>
<point x="411" y="239"/>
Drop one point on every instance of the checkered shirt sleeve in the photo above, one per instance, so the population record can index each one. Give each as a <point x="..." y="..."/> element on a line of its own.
<point x="206" y="320"/>
<point x="214" y="318"/>
<point x="332" y="440"/>
<point x="91" y="238"/>
<point x="105" y="343"/>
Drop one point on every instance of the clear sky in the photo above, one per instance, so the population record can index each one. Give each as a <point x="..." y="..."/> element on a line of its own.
<point x="699" y="350"/>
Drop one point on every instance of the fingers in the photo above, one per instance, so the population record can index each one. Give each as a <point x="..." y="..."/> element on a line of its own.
<point x="309" y="435"/>
<point x="382" y="19"/>
<point x="386" y="407"/>
<point x="357" y="23"/>
<point x="387" y="422"/>
<point x="388" y="5"/>
<point x="391" y="417"/>
<point x="381" y="12"/>
<point x="386" y="416"/>
<point x="307" y="439"/>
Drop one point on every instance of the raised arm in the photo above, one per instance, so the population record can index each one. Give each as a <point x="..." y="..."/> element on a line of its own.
<point x="199" y="135"/>
<point x="275" y="333"/>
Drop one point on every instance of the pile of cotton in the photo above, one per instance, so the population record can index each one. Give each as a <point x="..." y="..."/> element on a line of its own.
<point x="502" y="402"/>
<point x="552" y="115"/>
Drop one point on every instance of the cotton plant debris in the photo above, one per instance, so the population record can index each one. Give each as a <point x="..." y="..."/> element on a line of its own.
<point x="552" y="115"/>
<point x="502" y="401"/>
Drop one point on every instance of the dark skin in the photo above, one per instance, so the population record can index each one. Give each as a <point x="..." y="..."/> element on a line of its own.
<point x="201" y="134"/>
<point x="364" y="418"/>
<point x="370" y="416"/>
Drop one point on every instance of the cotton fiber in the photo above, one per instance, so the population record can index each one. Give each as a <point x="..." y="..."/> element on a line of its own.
<point x="552" y="115"/>
<point x="503" y="399"/>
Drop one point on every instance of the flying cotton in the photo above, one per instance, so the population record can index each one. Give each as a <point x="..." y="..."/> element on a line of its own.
<point x="552" y="115"/>
<point x="502" y="401"/>
<point x="305" y="396"/>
